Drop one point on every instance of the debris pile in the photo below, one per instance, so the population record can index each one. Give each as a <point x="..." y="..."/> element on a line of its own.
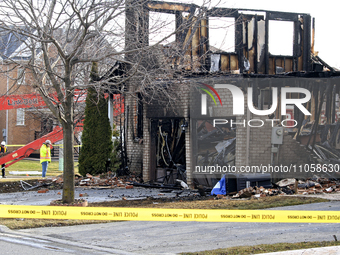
<point x="323" y="141"/>
<point x="108" y="179"/>
<point x="314" y="185"/>
<point x="257" y="192"/>
<point x="322" y="185"/>
<point x="105" y="180"/>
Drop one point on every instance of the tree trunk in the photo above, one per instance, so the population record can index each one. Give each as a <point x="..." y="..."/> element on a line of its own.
<point x="68" y="187"/>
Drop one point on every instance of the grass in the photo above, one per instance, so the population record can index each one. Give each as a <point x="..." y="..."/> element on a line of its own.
<point x="21" y="223"/>
<point x="227" y="204"/>
<point x="265" y="248"/>
<point x="34" y="165"/>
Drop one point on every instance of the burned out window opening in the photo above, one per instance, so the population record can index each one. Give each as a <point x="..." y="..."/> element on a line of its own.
<point x="170" y="149"/>
<point x="222" y="33"/>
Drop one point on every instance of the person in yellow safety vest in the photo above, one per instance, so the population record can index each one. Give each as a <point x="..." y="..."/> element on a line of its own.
<point x="3" y="149"/>
<point x="45" y="156"/>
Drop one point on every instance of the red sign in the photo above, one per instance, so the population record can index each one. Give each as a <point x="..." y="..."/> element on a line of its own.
<point x="35" y="100"/>
<point x="21" y="101"/>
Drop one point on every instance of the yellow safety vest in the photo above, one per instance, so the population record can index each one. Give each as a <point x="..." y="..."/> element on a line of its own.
<point x="5" y="149"/>
<point x="45" y="153"/>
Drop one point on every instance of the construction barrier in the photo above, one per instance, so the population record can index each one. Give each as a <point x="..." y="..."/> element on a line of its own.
<point x="156" y="214"/>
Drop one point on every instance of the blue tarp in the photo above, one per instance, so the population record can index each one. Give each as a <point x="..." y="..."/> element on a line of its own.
<point x="220" y="187"/>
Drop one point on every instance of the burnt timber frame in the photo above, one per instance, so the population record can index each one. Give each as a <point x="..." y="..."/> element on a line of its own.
<point x="301" y="58"/>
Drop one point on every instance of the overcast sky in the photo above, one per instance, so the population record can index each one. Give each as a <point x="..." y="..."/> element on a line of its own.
<point x="326" y="13"/>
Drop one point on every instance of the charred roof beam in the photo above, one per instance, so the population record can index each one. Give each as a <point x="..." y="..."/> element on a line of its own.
<point x="306" y="43"/>
<point x="169" y="7"/>
<point x="271" y="15"/>
<point x="223" y="12"/>
<point x="282" y="16"/>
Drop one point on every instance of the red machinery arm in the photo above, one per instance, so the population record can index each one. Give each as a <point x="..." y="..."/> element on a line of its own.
<point x="8" y="102"/>
<point x="23" y="152"/>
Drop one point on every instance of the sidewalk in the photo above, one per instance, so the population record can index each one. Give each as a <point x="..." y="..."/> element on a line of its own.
<point x="331" y="250"/>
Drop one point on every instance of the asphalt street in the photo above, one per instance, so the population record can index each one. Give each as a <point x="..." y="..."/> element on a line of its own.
<point x="175" y="237"/>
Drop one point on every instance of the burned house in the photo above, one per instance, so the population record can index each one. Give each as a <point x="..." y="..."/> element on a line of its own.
<point x="239" y="109"/>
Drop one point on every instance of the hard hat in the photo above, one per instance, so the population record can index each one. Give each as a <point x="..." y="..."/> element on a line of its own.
<point x="47" y="142"/>
<point x="3" y="143"/>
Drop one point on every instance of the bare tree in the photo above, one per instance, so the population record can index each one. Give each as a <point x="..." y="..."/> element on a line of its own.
<point x="61" y="38"/>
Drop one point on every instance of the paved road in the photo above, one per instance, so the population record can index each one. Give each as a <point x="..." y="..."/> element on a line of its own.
<point x="13" y="242"/>
<point x="175" y="237"/>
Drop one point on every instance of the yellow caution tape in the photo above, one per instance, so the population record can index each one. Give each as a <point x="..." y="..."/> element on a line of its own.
<point x="156" y="214"/>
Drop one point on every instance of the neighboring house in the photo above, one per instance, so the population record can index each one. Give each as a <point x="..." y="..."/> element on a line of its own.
<point x="156" y="145"/>
<point x="22" y="125"/>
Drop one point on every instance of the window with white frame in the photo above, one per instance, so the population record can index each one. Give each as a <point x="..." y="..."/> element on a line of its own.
<point x="21" y="75"/>
<point x="20" y="117"/>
